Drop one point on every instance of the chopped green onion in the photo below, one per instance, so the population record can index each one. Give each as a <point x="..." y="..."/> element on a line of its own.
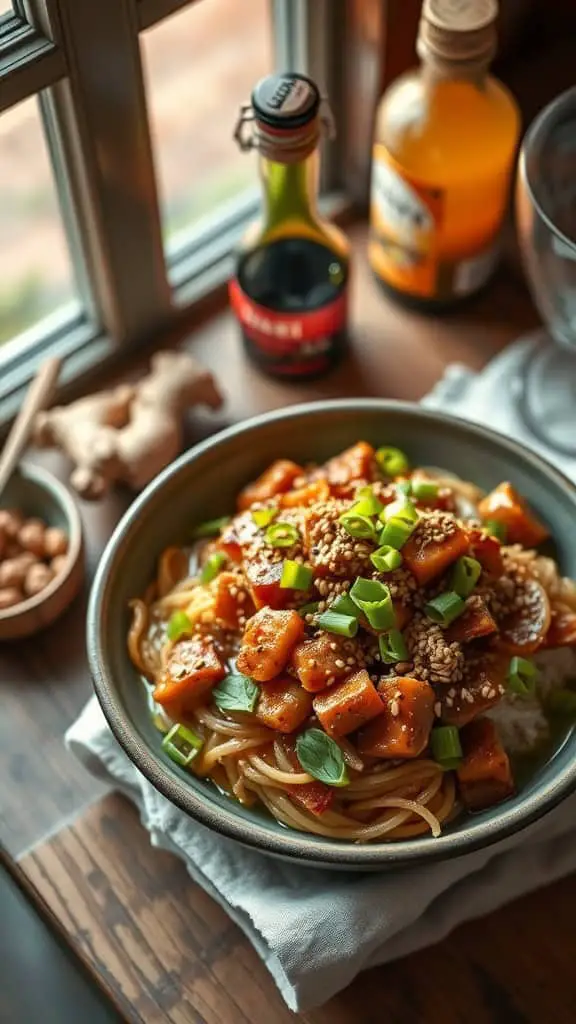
<point x="375" y="601"/>
<point x="211" y="528"/>
<point x="333" y="622"/>
<point x="465" y="576"/>
<point x="367" y="504"/>
<point x="321" y="757"/>
<point x="236" y="693"/>
<point x="402" y="509"/>
<point x="282" y="535"/>
<point x="308" y="609"/>
<point x="295" y="576"/>
<point x="392" y="647"/>
<point x="395" y="534"/>
<point x="425" y="490"/>
<point x="496" y="529"/>
<point x="358" y="526"/>
<point x="446" y="746"/>
<point x="562" y="702"/>
<point x="264" y="516"/>
<point x="444" y="608"/>
<point x="344" y="605"/>
<point x="386" y="558"/>
<point x="212" y="566"/>
<point x="182" y="745"/>
<point x="404" y="487"/>
<point x="178" y="625"/>
<point x="392" y="461"/>
<point x="368" y="590"/>
<point x="521" y="677"/>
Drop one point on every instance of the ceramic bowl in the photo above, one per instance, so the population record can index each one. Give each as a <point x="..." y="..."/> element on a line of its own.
<point x="38" y="493"/>
<point x="203" y="484"/>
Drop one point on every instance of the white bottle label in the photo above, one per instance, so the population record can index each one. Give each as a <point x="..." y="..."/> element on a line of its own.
<point x="470" y="275"/>
<point x="399" y="207"/>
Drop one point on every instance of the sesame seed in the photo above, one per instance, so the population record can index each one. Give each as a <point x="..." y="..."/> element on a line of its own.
<point x="333" y="647"/>
<point x="394" y="708"/>
<point x="438" y="709"/>
<point x="339" y="663"/>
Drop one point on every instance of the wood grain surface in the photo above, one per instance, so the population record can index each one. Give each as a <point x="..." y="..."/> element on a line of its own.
<point x="167" y="954"/>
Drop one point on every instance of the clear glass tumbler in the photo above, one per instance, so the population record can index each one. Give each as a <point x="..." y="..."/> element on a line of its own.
<point x="546" y="219"/>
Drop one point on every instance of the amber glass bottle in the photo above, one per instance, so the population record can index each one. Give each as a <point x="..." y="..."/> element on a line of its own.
<point x="445" y="141"/>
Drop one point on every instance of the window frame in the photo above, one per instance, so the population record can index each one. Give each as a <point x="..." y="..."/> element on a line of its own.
<point x="131" y="289"/>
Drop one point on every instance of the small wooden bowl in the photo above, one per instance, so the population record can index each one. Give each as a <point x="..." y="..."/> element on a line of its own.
<point x="35" y="492"/>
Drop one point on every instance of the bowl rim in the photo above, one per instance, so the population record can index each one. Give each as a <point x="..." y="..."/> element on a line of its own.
<point x="474" y="834"/>
<point x="50" y="483"/>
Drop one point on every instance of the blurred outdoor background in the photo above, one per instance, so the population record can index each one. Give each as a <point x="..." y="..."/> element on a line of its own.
<point x="199" y="65"/>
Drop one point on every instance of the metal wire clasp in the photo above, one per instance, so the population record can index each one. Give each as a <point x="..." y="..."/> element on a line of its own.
<point x="247" y="138"/>
<point x="244" y="129"/>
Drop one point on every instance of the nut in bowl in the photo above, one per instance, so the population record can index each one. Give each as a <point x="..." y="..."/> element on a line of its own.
<point x="41" y="552"/>
<point x="356" y="697"/>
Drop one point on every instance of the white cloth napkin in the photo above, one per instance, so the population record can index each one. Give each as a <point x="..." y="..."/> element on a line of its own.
<point x="315" y="930"/>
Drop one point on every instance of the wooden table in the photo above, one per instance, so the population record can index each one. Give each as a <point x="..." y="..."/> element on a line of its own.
<point x="160" y="947"/>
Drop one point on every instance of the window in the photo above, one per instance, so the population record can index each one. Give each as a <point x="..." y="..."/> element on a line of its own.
<point x="199" y="66"/>
<point x="35" y="270"/>
<point x="122" y="192"/>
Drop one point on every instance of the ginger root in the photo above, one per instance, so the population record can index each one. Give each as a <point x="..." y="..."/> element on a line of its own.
<point x="132" y="432"/>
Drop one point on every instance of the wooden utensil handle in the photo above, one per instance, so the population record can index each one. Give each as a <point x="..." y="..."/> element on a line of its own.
<point x="36" y="398"/>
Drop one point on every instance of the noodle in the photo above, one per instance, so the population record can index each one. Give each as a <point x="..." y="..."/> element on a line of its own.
<point x="277" y="775"/>
<point x="172" y="567"/>
<point x="251" y="757"/>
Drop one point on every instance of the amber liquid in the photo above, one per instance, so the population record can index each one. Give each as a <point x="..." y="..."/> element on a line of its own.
<point x="456" y="138"/>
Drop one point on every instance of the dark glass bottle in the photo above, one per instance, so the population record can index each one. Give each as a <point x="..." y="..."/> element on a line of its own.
<point x="290" y="287"/>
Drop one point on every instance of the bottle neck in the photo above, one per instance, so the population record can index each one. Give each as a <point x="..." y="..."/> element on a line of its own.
<point x="435" y="71"/>
<point x="290" y="191"/>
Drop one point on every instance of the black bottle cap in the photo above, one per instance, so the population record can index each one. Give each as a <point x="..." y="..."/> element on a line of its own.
<point x="285" y="100"/>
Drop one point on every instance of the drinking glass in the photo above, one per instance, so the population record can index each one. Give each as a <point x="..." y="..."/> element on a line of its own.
<point x="546" y="219"/>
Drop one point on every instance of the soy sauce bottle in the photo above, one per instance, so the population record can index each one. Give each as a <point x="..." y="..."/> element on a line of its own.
<point x="290" y="288"/>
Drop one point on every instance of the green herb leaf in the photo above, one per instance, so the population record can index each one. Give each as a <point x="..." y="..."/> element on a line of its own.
<point x="236" y="693"/>
<point x="211" y="528"/>
<point x="322" y="758"/>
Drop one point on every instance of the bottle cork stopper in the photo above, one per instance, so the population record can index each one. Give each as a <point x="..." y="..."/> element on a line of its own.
<point x="458" y="30"/>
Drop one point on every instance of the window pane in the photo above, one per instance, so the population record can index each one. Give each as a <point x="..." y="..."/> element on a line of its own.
<point x="35" y="271"/>
<point x="5" y="7"/>
<point x="200" y="65"/>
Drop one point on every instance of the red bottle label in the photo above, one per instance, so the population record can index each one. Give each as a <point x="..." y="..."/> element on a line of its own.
<point x="291" y="343"/>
